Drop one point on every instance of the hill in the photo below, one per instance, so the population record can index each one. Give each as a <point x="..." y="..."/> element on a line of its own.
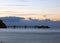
<point x="18" y="21"/>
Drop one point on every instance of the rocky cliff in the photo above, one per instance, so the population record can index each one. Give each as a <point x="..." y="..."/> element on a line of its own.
<point x="2" y="25"/>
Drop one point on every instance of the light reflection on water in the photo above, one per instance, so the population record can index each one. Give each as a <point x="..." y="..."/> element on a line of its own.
<point x="29" y="30"/>
<point x="29" y="36"/>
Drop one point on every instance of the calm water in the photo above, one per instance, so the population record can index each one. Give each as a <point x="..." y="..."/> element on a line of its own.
<point x="30" y="35"/>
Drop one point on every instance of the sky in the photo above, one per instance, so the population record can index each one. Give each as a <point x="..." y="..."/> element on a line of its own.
<point x="36" y="9"/>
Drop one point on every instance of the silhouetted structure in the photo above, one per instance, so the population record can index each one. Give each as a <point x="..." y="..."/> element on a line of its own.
<point x="43" y="26"/>
<point x="29" y="27"/>
<point x="2" y="25"/>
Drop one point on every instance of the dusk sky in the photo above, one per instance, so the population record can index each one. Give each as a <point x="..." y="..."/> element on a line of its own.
<point x="36" y="9"/>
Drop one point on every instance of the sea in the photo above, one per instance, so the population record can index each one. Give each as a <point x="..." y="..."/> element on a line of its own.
<point x="21" y="35"/>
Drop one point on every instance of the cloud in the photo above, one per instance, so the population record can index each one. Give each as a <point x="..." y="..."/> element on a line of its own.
<point x="17" y="5"/>
<point x="14" y="2"/>
<point x="23" y="0"/>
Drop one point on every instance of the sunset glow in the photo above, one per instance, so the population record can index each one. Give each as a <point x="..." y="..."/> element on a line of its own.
<point x="35" y="9"/>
